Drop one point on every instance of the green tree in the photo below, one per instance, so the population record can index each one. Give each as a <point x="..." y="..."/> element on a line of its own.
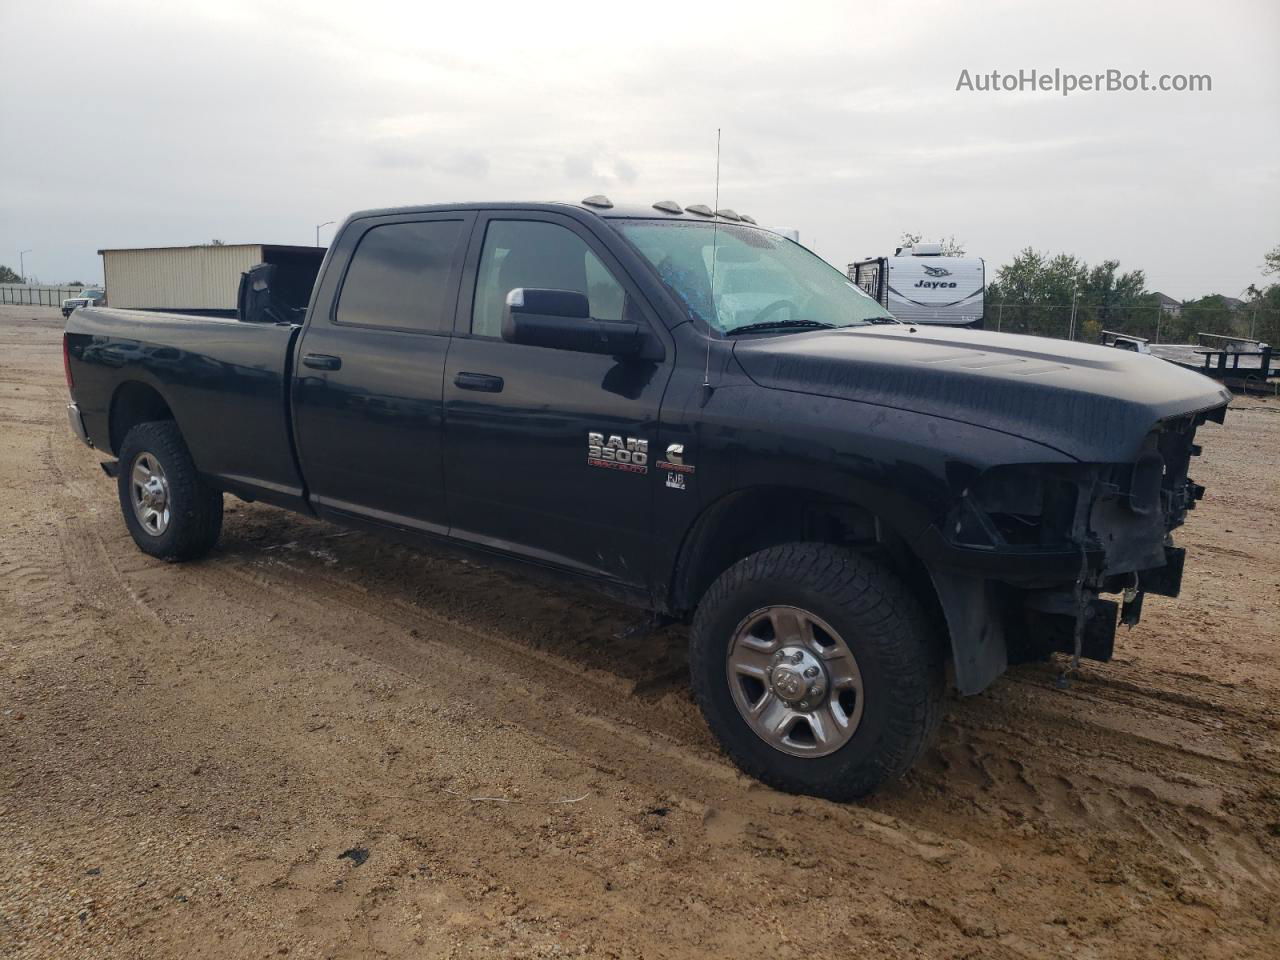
<point x="1209" y="314"/>
<point x="1033" y="293"/>
<point x="1038" y="293"/>
<point x="9" y="275"/>
<point x="1271" y="261"/>
<point x="1111" y="300"/>
<point x="1263" y="315"/>
<point x="1261" y="312"/>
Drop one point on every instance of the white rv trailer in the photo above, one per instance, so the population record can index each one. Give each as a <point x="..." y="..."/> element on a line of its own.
<point x="920" y="285"/>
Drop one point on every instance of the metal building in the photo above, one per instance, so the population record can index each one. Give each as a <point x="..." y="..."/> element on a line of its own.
<point x="203" y="278"/>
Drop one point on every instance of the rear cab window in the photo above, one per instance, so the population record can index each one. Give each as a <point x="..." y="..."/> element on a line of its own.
<point x="399" y="277"/>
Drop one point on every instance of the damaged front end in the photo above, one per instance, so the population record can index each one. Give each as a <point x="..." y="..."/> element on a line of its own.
<point x="1044" y="542"/>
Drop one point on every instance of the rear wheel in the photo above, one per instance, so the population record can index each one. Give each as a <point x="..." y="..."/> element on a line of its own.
<point x="169" y="510"/>
<point x="816" y="670"/>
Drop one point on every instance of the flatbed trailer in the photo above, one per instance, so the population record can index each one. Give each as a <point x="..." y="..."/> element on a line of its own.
<point x="1236" y="361"/>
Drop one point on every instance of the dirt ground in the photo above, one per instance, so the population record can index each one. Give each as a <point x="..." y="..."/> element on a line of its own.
<point x="317" y="744"/>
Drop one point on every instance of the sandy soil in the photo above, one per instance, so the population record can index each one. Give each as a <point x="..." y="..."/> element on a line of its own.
<point x="317" y="744"/>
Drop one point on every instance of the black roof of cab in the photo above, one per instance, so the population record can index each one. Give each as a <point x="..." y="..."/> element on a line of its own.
<point x="626" y="212"/>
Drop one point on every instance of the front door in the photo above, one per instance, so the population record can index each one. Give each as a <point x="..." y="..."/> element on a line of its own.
<point x="550" y="453"/>
<point x="367" y="395"/>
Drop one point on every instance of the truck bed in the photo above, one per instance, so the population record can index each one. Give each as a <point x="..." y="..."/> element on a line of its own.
<point x="227" y="383"/>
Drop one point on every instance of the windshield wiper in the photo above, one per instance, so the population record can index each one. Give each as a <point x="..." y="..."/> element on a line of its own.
<point x="780" y="325"/>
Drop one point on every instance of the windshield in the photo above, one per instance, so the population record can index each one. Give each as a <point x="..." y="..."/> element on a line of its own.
<point x="759" y="278"/>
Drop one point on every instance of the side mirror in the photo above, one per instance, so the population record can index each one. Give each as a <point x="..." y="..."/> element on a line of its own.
<point x="562" y="319"/>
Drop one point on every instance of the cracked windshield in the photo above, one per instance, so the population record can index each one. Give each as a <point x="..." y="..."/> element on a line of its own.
<point x="756" y="279"/>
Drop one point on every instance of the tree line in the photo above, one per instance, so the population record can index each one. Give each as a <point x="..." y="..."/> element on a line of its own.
<point x="1062" y="296"/>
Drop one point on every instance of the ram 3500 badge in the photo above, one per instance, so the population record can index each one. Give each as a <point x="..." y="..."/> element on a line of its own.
<point x="616" y="453"/>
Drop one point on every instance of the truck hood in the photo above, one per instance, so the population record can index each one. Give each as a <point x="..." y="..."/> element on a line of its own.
<point x="1096" y="404"/>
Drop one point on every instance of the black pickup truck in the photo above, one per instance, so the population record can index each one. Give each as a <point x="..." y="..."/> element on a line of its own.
<point x="696" y="415"/>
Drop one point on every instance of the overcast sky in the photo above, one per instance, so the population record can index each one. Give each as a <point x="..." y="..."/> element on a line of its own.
<point x="134" y="123"/>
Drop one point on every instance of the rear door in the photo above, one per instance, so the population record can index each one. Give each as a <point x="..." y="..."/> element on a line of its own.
<point x="367" y="398"/>
<point x="551" y="453"/>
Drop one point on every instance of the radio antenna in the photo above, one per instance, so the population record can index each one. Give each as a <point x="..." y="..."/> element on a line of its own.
<point x="715" y="229"/>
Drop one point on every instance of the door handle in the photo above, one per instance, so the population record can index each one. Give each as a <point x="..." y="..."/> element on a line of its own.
<point x="321" y="361"/>
<point x="484" y="382"/>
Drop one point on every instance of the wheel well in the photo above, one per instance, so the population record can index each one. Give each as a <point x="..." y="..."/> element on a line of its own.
<point x="746" y="522"/>
<point x="132" y="404"/>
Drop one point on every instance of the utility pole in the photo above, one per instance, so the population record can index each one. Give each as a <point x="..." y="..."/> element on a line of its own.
<point x="1071" y="330"/>
<point x="22" y="260"/>
<point x="327" y="223"/>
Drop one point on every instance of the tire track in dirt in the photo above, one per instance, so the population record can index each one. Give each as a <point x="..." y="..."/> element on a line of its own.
<point x="1123" y="805"/>
<point x="603" y="692"/>
<point x="606" y="726"/>
<point x="599" y="721"/>
<point x="344" y="686"/>
<point x="1115" y="803"/>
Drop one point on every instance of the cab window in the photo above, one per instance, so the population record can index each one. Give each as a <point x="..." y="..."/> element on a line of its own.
<point x="527" y="253"/>
<point x="399" y="277"/>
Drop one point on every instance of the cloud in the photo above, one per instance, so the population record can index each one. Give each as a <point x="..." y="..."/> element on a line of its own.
<point x="599" y="168"/>
<point x="401" y="155"/>
<point x="254" y="121"/>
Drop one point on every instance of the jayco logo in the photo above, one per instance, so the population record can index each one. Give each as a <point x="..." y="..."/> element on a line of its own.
<point x="935" y="272"/>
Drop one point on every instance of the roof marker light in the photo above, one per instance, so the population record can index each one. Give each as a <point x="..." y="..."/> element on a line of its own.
<point x="598" y="200"/>
<point x="668" y="206"/>
<point x="701" y="209"/>
<point x="745" y="219"/>
<point x="728" y="214"/>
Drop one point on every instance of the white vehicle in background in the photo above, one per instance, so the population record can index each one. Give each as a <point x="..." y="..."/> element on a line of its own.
<point x="89" y="297"/>
<point x="920" y="285"/>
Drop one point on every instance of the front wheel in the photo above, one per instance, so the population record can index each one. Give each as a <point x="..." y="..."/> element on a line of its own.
<point x="169" y="510"/>
<point x="816" y="670"/>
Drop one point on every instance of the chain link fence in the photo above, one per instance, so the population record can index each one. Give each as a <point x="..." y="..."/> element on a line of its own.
<point x="1156" y="324"/>
<point x="26" y="294"/>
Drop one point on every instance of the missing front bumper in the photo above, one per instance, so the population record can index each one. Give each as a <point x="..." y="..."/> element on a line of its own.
<point x="1051" y="624"/>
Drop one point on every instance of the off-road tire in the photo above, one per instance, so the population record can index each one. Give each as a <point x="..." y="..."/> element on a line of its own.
<point x="884" y="627"/>
<point x="195" y="508"/>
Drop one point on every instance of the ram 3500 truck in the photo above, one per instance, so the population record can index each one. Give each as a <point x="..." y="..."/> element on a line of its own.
<point x="692" y="413"/>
